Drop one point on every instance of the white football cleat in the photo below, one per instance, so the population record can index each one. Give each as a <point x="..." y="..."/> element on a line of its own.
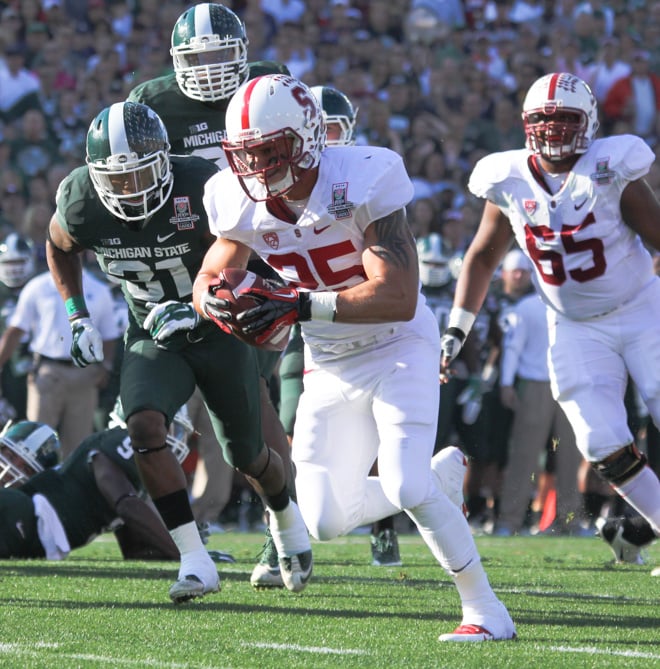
<point x="196" y="579"/>
<point x="266" y="573"/>
<point x="264" y="576"/>
<point x="468" y="633"/>
<point x="191" y="587"/>
<point x="495" y="625"/>
<point x="449" y="466"/>
<point x="296" y="570"/>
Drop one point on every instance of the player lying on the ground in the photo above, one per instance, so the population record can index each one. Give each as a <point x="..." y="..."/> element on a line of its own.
<point x="48" y="510"/>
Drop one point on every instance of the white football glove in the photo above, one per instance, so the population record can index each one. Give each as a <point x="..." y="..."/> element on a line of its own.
<point x="168" y="318"/>
<point x="459" y="324"/>
<point x="451" y="344"/>
<point x="87" y="343"/>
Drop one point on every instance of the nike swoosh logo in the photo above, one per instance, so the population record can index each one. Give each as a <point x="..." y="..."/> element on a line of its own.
<point x="318" y="231"/>
<point x="579" y="206"/>
<point x="163" y="238"/>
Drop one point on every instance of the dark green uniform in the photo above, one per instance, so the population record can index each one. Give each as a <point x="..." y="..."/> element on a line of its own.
<point x="197" y="128"/>
<point x="156" y="264"/>
<point x="291" y="379"/>
<point x="193" y="127"/>
<point x="72" y="491"/>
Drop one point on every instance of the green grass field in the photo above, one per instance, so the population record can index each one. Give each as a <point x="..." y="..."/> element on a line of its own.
<point x="573" y="608"/>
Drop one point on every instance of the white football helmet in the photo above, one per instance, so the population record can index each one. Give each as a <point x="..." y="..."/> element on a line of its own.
<point x="337" y="110"/>
<point x="560" y="116"/>
<point x="26" y="448"/>
<point x="279" y="113"/>
<point x="209" y="52"/>
<point x="435" y="270"/>
<point x="178" y="433"/>
<point x="16" y="261"/>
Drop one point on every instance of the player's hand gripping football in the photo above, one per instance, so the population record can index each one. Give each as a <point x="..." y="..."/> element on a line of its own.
<point x="278" y="308"/>
<point x="217" y="308"/>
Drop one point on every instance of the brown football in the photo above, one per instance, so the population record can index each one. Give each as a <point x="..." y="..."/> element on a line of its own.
<point x="235" y="281"/>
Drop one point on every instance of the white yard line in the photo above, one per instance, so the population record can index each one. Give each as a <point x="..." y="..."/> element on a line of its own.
<point x="322" y="650"/>
<point x="590" y="650"/>
<point x="21" y="650"/>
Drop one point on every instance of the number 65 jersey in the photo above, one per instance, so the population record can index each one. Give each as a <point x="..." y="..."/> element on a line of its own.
<point x="587" y="260"/>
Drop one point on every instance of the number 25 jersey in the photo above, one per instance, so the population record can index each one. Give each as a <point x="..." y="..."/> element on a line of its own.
<point x="322" y="250"/>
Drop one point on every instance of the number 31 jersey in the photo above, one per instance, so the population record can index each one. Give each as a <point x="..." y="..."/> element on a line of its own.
<point x="158" y="262"/>
<point x="587" y="260"/>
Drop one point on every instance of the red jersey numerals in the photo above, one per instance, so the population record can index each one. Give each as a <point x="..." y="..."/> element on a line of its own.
<point x="550" y="264"/>
<point x="321" y="272"/>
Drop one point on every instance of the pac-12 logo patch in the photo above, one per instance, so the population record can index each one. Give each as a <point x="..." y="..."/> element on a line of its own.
<point x="272" y="240"/>
<point x="530" y="206"/>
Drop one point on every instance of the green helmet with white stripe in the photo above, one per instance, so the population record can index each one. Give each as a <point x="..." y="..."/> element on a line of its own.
<point x="209" y="52"/>
<point x="26" y="448"/>
<point x="338" y="111"/>
<point x="128" y="161"/>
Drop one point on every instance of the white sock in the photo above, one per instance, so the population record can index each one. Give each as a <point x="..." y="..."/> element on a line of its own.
<point x="187" y="539"/>
<point x="289" y="532"/>
<point x="473" y="586"/>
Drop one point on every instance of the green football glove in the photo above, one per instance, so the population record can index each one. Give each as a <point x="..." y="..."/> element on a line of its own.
<point x="86" y="344"/>
<point x="169" y="318"/>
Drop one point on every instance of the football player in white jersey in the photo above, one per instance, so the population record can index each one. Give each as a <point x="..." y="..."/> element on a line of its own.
<point x="580" y="208"/>
<point x="340" y="119"/>
<point x="332" y="224"/>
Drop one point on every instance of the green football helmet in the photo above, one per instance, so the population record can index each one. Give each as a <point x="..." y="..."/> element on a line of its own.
<point x="337" y="109"/>
<point x="128" y="161"/>
<point x="26" y="448"/>
<point x="434" y="260"/>
<point x="16" y="261"/>
<point x="209" y="51"/>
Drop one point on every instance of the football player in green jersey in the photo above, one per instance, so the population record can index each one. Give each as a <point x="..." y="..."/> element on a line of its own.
<point x="210" y="58"/>
<point x="46" y="511"/>
<point x="209" y="54"/>
<point x="140" y="210"/>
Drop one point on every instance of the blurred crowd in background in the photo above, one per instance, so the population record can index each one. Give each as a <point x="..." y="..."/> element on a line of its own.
<point x="441" y="82"/>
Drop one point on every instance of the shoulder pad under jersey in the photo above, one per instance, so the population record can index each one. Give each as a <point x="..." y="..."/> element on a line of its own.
<point x="376" y="175"/>
<point x="494" y="169"/>
<point x="72" y="194"/>
<point x="628" y="155"/>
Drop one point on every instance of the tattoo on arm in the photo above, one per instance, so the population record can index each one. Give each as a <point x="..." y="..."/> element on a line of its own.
<point x="395" y="243"/>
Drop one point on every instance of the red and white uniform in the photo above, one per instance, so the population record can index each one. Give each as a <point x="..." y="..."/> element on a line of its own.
<point x="370" y="390"/>
<point x="594" y="273"/>
<point x="323" y="250"/>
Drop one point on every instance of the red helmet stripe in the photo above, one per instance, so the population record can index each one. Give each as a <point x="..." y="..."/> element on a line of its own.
<point x="245" y="111"/>
<point x="552" y="88"/>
